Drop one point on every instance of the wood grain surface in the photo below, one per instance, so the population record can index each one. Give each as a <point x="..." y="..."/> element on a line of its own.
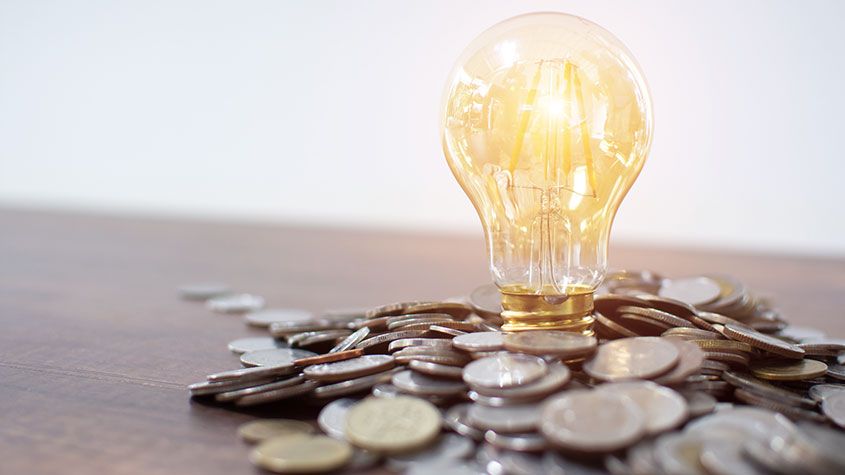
<point x="96" y="349"/>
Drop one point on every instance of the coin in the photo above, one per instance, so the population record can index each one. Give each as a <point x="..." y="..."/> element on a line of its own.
<point x="449" y="330"/>
<point x="632" y="358"/>
<point x="487" y="301"/>
<point x="611" y="328"/>
<point x="679" y="453"/>
<point x="266" y="397"/>
<point x="274" y="357"/>
<point x="304" y="454"/>
<point x="592" y="421"/>
<point x="833" y="407"/>
<point x="332" y="418"/>
<point x="777" y="406"/>
<point x="264" y="318"/>
<point x="657" y="315"/>
<point x="235" y="303"/>
<point x="504" y="420"/>
<point x="203" y="291"/>
<point x="763" y="341"/>
<point x="819" y="391"/>
<point x="504" y="370"/>
<point x="743" y="423"/>
<point x="691" y="334"/>
<point x="557" y="377"/>
<point x="699" y="403"/>
<point x="417" y="321"/>
<point x="353" y="386"/>
<point x="550" y="342"/>
<point x="480" y="341"/>
<point x="396" y="345"/>
<point x="392" y="425"/>
<point x="527" y="442"/>
<point x="764" y="389"/>
<point x="349" y="369"/>
<point x="445" y="449"/>
<point x="724" y="345"/>
<point x="836" y="371"/>
<point x="436" y="370"/>
<point x="253" y="373"/>
<point x="692" y="290"/>
<point x="329" y="357"/>
<point x="456" y="419"/>
<point x="374" y="343"/>
<point x="210" y="388"/>
<point x="263" y="429"/>
<point x="390" y="310"/>
<point x="690" y="361"/>
<point x="664" y="408"/>
<point x="788" y="370"/>
<point x="420" y="384"/>
<point x="244" y="345"/>
<point x="229" y="396"/>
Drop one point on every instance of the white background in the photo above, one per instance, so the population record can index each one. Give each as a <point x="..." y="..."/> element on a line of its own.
<point x="327" y="112"/>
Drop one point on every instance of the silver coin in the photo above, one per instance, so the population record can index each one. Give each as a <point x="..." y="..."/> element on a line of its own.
<point x="274" y="357"/>
<point x="505" y="370"/>
<point x="332" y="418"/>
<point x="556" y="378"/>
<point x="833" y="406"/>
<point x="420" y="384"/>
<point x="480" y="341"/>
<point x="632" y="358"/>
<point x="487" y="300"/>
<point x="267" y="397"/>
<point x="820" y="391"/>
<point x="592" y="421"/>
<point x="527" y="442"/>
<point x="436" y="370"/>
<point x="799" y="334"/>
<point x="350" y="341"/>
<point x="678" y="453"/>
<point x="446" y="467"/>
<point x="504" y="420"/>
<point x="235" y="303"/>
<point x="447" y="447"/>
<point x="456" y="419"/>
<point x="253" y="373"/>
<point x="237" y="394"/>
<point x="386" y="390"/>
<point x="353" y="386"/>
<point x="699" y="403"/>
<point x="690" y="361"/>
<point x="203" y="291"/>
<point x="836" y="371"/>
<point x="692" y="290"/>
<point x="265" y="318"/>
<point x="664" y="408"/>
<point x="348" y="369"/>
<point x="244" y="345"/>
<point x="397" y="345"/>
<point x="826" y="443"/>
<point x="556" y="463"/>
<point x="210" y="388"/>
<point x="743" y="423"/>
<point x="726" y="457"/>
<point x="762" y="388"/>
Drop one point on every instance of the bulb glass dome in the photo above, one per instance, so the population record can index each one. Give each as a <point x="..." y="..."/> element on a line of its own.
<point x="546" y="124"/>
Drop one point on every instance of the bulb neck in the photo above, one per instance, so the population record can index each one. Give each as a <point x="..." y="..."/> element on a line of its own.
<point x="531" y="311"/>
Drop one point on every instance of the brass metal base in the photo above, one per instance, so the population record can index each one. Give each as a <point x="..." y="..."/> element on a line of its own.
<point x="573" y="312"/>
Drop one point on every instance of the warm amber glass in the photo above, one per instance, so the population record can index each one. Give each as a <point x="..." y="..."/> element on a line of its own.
<point x="546" y="125"/>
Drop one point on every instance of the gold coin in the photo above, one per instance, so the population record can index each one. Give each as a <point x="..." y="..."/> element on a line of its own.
<point x="393" y="425"/>
<point x="263" y="429"/>
<point x="789" y="370"/>
<point x="301" y="454"/>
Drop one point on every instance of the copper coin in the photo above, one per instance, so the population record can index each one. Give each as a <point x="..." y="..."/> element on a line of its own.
<point x="788" y="370"/>
<point x="763" y="341"/>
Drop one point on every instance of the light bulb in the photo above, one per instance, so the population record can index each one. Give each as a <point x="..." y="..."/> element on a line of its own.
<point x="546" y="124"/>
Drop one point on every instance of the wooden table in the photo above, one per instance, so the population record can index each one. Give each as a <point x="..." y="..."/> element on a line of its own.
<point x="96" y="349"/>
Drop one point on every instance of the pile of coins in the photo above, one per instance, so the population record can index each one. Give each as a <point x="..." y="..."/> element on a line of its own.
<point x="692" y="375"/>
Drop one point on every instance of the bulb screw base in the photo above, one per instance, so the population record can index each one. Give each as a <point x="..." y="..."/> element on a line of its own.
<point x="573" y="312"/>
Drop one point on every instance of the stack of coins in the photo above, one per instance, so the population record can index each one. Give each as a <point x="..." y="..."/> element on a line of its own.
<point x="684" y="375"/>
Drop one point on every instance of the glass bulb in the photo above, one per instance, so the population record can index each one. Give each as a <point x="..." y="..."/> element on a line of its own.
<point x="546" y="124"/>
